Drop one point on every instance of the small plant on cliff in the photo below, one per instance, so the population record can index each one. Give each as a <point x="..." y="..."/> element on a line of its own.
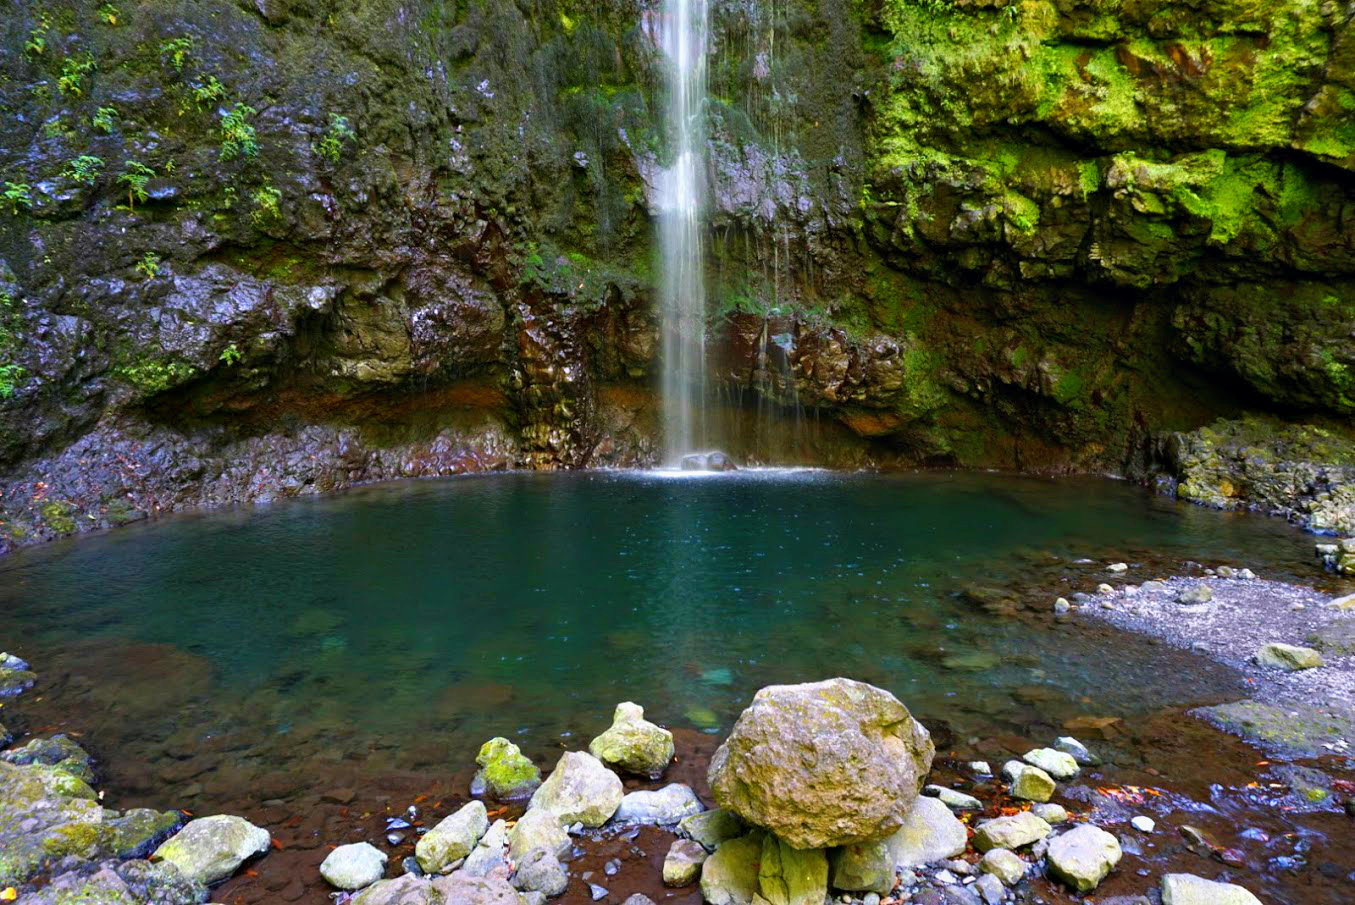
<point x="105" y="120"/>
<point x="37" y="38"/>
<point x="110" y="14"/>
<point x="154" y="376"/>
<point x="230" y="355"/>
<point x="73" y="72"/>
<point x="84" y="169"/>
<point x="267" y="204"/>
<point x="136" y="177"/>
<point x="238" y="138"/>
<point x="149" y="265"/>
<point x="19" y="195"/>
<point x="209" y="92"/>
<point x="330" y="146"/>
<point x="10" y="373"/>
<point x="177" y="51"/>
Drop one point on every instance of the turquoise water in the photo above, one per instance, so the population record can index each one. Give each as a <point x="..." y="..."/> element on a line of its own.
<point x="528" y="605"/>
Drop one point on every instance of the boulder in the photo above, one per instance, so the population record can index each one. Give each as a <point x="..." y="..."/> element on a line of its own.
<point x="537" y="830"/>
<point x="930" y="833"/>
<point x="665" y="806"/>
<point x="505" y="772"/>
<point x="712" y="827"/>
<point x="791" y="876"/>
<point x="634" y="744"/>
<point x="1083" y="856"/>
<point x="579" y="790"/>
<point x="461" y="888"/>
<point x="1010" y="832"/>
<point x="682" y="864"/>
<point x="730" y="875"/>
<point x="443" y="847"/>
<point x="209" y="849"/>
<point x="1057" y="764"/>
<point x="1069" y="745"/>
<point x="45" y="815"/>
<point x="57" y="751"/>
<point x="1007" y="866"/>
<point x="541" y="871"/>
<point x="15" y="677"/>
<point x="409" y="889"/>
<point x="1188" y="889"/>
<point x="353" y="866"/>
<point x="1287" y="657"/>
<point x="823" y="764"/>
<point x="1050" y="813"/>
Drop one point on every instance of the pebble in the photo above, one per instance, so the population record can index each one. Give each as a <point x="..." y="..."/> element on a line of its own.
<point x="1117" y="567"/>
<point x="1143" y="824"/>
<point x="611" y="868"/>
<point x="1061" y="606"/>
<point x="597" y="892"/>
<point x="410" y="865"/>
<point x="946" y="877"/>
<point x="871" y="898"/>
<point x="395" y="838"/>
<point x="1246" y="574"/>
<point x="1104" y="588"/>
<point x="980" y="767"/>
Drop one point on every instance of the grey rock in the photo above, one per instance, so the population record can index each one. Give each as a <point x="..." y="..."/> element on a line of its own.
<point x="490" y="852"/>
<point x="1069" y="745"/>
<point x="632" y="743"/>
<point x="931" y="833"/>
<point x="730" y="875"/>
<point x="452" y="839"/>
<point x="1195" y="596"/>
<point x="1082" y="857"/>
<point x="1057" y="764"/>
<point x="353" y="866"/>
<point x="1287" y="657"/>
<point x="682" y="864"/>
<point x="579" y="789"/>
<point x="209" y="849"/>
<point x="1050" y="813"/>
<point x="540" y="871"/>
<point x="990" y="889"/>
<point x="537" y="829"/>
<point x="1188" y="889"/>
<point x="1010" y="832"/>
<point x="712" y="827"/>
<point x="117" y="883"/>
<point x="665" y="806"/>
<point x="1032" y="784"/>
<point x="1006" y="865"/>
<point x="956" y="801"/>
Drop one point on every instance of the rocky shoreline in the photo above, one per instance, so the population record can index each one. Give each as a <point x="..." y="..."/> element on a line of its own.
<point x="835" y="766"/>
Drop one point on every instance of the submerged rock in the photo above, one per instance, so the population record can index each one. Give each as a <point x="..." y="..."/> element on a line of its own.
<point x="1288" y="657"/>
<point x="579" y="790"/>
<point x="505" y="772"/>
<point x="353" y="866"/>
<point x="707" y="461"/>
<point x="209" y="849"/>
<point x="634" y="744"/>
<point x="443" y="847"/>
<point x="823" y="764"/>
<point x="1188" y="889"/>
<point x="665" y="806"/>
<point x="1083" y="856"/>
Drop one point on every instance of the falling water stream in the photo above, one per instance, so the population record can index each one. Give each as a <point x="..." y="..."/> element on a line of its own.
<point x="682" y="291"/>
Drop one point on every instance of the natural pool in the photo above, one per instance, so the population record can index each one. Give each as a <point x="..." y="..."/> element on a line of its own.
<point x="528" y="604"/>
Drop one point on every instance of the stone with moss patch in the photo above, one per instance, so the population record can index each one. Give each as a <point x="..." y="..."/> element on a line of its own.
<point x="505" y="772"/>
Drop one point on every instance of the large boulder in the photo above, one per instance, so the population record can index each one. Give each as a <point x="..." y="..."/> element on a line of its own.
<point x="791" y="876"/>
<point x="633" y="743"/>
<point x="505" y="772"/>
<point x="353" y="866"/>
<point x="1188" y="889"/>
<point x="209" y="849"/>
<point x="443" y="847"/>
<point x="1083" y="856"/>
<point x="665" y="806"/>
<point x="823" y="764"/>
<point x="579" y="790"/>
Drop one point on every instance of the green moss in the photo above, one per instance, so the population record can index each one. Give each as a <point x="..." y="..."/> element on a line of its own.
<point x="58" y="515"/>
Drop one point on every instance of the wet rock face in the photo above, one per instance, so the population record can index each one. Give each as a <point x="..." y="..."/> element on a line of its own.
<point x="434" y="254"/>
<point x="823" y="764"/>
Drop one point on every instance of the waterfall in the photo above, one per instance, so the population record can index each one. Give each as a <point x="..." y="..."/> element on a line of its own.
<point x="681" y="201"/>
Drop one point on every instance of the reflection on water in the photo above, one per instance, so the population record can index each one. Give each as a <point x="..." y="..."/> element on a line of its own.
<point x="527" y="605"/>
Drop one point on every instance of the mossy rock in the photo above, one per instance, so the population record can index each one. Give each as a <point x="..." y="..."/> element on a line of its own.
<point x="505" y="772"/>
